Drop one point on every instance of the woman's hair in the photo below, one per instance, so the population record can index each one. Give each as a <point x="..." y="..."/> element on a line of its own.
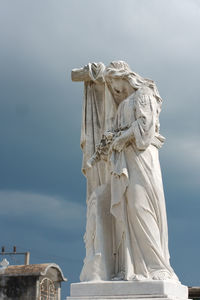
<point x="120" y="69"/>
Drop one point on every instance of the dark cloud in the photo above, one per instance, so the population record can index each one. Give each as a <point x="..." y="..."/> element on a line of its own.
<point x="40" y="115"/>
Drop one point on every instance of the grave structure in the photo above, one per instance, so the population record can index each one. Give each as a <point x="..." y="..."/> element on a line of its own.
<point x="126" y="237"/>
<point x="31" y="282"/>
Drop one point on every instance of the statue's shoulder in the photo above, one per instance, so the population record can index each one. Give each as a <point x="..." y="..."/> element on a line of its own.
<point x="143" y="95"/>
<point x="144" y="91"/>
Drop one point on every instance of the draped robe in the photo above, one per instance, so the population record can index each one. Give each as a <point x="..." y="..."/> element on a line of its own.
<point x="126" y="229"/>
<point x="137" y="197"/>
<point x="99" y="111"/>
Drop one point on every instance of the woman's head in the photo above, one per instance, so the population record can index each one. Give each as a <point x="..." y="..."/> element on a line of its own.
<point x="123" y="82"/>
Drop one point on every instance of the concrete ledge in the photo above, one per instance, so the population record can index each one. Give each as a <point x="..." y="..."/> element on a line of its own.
<point x="128" y="290"/>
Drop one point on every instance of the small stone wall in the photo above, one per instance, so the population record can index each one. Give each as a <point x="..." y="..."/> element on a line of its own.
<point x="17" y="287"/>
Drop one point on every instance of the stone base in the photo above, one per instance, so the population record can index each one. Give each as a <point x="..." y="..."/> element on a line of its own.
<point x="132" y="290"/>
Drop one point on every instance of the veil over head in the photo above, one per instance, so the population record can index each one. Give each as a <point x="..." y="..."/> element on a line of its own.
<point x="120" y="69"/>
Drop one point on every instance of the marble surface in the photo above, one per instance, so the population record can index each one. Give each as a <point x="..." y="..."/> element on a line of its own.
<point x="126" y="234"/>
<point x="127" y="290"/>
<point x="126" y="237"/>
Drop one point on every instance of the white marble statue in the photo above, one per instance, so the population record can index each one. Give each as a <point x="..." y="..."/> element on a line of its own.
<point x="126" y="232"/>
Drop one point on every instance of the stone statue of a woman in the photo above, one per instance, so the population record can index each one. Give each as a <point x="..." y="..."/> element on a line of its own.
<point x="126" y="218"/>
<point x="137" y="198"/>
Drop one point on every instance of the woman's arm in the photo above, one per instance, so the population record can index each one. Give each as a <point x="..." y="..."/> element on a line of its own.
<point x="142" y="130"/>
<point x="90" y="72"/>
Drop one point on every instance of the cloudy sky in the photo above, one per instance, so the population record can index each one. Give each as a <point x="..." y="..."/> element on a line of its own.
<point x="42" y="190"/>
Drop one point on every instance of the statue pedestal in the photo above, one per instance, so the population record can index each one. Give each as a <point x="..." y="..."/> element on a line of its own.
<point x="132" y="290"/>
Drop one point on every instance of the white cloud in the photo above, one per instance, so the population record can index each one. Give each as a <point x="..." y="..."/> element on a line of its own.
<point x="180" y="155"/>
<point x="185" y="150"/>
<point x="49" y="211"/>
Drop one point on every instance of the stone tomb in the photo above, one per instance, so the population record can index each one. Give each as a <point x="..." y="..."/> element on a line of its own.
<point x="31" y="282"/>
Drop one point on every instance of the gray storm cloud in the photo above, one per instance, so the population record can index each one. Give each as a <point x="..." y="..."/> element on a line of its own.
<point x="40" y="110"/>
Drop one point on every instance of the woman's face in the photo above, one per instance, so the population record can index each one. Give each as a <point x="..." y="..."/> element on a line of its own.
<point x="120" y="89"/>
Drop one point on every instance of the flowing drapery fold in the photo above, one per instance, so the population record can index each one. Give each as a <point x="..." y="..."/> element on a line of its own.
<point x="137" y="198"/>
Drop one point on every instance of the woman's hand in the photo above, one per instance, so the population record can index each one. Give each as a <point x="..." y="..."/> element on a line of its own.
<point x="118" y="144"/>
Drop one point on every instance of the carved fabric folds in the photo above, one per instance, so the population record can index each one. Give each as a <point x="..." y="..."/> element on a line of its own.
<point x="99" y="110"/>
<point x="137" y="198"/>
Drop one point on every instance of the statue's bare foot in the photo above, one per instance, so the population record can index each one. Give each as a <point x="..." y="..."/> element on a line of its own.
<point x="161" y="275"/>
<point x="119" y="276"/>
<point x="138" y="277"/>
